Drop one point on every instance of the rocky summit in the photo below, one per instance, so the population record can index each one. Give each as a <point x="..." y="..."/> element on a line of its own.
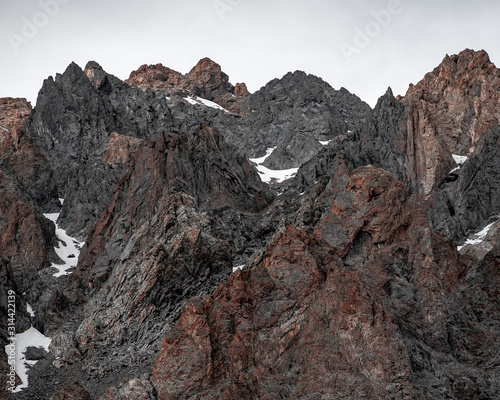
<point x="173" y="236"/>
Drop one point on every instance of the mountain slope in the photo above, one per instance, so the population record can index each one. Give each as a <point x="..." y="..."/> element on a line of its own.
<point x="373" y="273"/>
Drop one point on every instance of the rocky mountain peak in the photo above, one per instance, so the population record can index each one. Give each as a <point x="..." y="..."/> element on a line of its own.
<point x="156" y="77"/>
<point x="206" y="80"/>
<point x="368" y="269"/>
<point x="209" y="73"/>
<point x="461" y="95"/>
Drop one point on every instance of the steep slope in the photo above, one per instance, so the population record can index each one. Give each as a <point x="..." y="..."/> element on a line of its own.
<point x="295" y="115"/>
<point x="459" y="99"/>
<point x="361" y="307"/>
<point x="27" y="161"/>
<point x="72" y="123"/>
<point x="371" y="274"/>
<point x="167" y="235"/>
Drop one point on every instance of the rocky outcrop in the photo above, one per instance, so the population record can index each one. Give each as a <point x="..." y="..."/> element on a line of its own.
<point x="72" y="391"/>
<point x="30" y="166"/>
<point x="27" y="238"/>
<point x="205" y="80"/>
<point x="166" y="236"/>
<point x="473" y="199"/>
<point x="298" y="323"/>
<point x="459" y="99"/>
<point x="134" y="389"/>
<point x="197" y="282"/>
<point x="293" y="115"/>
<point x="120" y="148"/>
<point x="75" y="114"/>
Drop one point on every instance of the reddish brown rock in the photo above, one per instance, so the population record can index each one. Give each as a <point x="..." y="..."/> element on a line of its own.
<point x="134" y="389"/>
<point x="459" y="98"/>
<point x="73" y="391"/>
<point x="18" y="150"/>
<point x="157" y="77"/>
<point x="120" y="148"/>
<point x="26" y="237"/>
<point x="205" y="80"/>
<point x="308" y="320"/>
<point x="240" y="90"/>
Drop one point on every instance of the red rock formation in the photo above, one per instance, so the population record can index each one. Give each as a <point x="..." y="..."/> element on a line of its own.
<point x="157" y="77"/>
<point x="311" y="319"/>
<point x="18" y="150"/>
<point x="73" y="391"/>
<point x="205" y="80"/>
<point x="25" y="235"/>
<point x="134" y="389"/>
<point x="448" y="111"/>
<point x="460" y="98"/>
<point x="120" y="148"/>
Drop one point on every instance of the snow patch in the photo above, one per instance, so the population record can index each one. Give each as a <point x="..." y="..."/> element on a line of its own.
<point x="325" y="143"/>
<point x="460" y="160"/>
<point x="269" y="175"/>
<point x="31" y="338"/>
<point x="68" y="248"/>
<point x="30" y="311"/>
<point x="478" y="237"/>
<point x="272" y="175"/>
<point x="198" y="100"/>
<point x="238" y="267"/>
<point x="260" y="160"/>
<point x="6" y="130"/>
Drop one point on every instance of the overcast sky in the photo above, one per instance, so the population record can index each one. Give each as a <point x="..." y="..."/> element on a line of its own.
<point x="362" y="45"/>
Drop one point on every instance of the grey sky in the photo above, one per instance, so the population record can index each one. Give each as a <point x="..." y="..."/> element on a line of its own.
<point x="253" y="40"/>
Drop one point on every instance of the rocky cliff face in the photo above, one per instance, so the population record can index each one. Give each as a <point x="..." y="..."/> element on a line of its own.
<point x="373" y="273"/>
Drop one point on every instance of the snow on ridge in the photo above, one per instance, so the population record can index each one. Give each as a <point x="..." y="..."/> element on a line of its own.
<point x="269" y="175"/>
<point x="68" y="248"/>
<point x="325" y="142"/>
<point x="460" y="160"/>
<point x="479" y="236"/>
<point x="260" y="160"/>
<point x="199" y="100"/>
<point x="21" y="341"/>
<point x="238" y="267"/>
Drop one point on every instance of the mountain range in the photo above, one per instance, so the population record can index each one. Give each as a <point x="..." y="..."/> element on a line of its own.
<point x="177" y="237"/>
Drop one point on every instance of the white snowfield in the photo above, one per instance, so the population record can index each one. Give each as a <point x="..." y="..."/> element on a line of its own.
<point x="68" y="248"/>
<point x="460" y="160"/>
<point x="325" y="142"/>
<point x="272" y="175"/>
<point x="199" y="100"/>
<point x="30" y="338"/>
<point x="479" y="237"/>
